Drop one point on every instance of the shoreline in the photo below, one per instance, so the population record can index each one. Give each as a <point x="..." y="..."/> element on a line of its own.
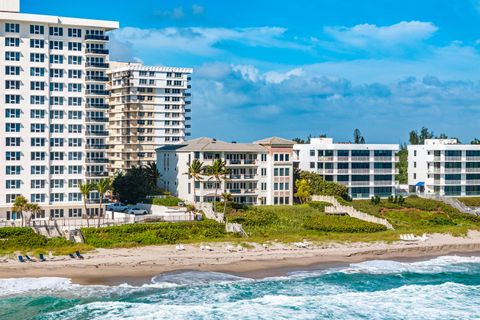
<point x="139" y="265"/>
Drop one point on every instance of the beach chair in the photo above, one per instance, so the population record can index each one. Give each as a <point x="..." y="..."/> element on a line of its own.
<point x="79" y="256"/>
<point x="71" y="256"/>
<point x="20" y="258"/>
<point x="208" y="248"/>
<point x="28" y="258"/>
<point x="41" y="257"/>
<point x="230" y="248"/>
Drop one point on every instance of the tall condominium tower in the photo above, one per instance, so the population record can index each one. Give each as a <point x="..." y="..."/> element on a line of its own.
<point x="148" y="109"/>
<point x="53" y="105"/>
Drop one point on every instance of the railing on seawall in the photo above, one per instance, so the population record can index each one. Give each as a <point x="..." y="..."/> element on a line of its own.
<point x="337" y="208"/>
<point x="207" y="208"/>
<point x="235" y="228"/>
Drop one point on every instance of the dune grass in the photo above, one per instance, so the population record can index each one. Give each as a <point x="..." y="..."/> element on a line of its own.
<point x="470" y="201"/>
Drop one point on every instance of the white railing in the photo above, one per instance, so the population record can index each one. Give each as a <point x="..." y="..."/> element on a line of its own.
<point x="207" y="209"/>
<point x="337" y="208"/>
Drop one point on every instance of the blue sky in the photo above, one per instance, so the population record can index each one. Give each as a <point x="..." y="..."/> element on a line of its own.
<point x="294" y="68"/>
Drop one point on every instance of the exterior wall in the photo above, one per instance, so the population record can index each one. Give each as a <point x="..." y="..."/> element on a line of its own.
<point x="445" y="168"/>
<point x="149" y="109"/>
<point x="366" y="169"/>
<point x="63" y="113"/>
<point x="254" y="177"/>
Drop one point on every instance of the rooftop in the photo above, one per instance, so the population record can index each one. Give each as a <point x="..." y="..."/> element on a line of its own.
<point x="135" y="66"/>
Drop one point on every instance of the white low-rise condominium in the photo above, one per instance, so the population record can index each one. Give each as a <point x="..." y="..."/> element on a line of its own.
<point x="366" y="169"/>
<point x="149" y="108"/>
<point x="444" y="167"/>
<point x="52" y="123"/>
<point x="258" y="173"/>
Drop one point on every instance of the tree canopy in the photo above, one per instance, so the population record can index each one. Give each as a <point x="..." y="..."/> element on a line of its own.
<point x="135" y="184"/>
<point x="319" y="186"/>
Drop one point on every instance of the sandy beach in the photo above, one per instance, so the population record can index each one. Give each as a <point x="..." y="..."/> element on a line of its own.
<point x="139" y="265"/>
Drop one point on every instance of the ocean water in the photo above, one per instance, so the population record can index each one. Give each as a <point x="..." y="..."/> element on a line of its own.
<point x="442" y="288"/>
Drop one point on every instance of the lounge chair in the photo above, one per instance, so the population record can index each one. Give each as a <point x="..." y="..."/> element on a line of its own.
<point x="28" y="258"/>
<point x="20" y="258"/>
<point x="79" y="256"/>
<point x="230" y="248"/>
<point x="180" y="247"/>
<point x="71" y="256"/>
<point x="41" y="257"/>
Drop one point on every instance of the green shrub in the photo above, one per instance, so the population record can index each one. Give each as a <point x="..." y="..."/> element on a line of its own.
<point x="168" y="201"/>
<point x="470" y="201"/>
<point x="153" y="233"/>
<point x="330" y="223"/>
<point x="318" y="205"/>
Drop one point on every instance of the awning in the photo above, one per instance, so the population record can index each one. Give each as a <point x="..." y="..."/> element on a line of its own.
<point x="420" y="184"/>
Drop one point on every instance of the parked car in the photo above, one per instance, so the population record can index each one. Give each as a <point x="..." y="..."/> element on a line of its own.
<point x="136" y="211"/>
<point x="117" y="207"/>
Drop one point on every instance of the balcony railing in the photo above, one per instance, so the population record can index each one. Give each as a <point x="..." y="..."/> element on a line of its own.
<point x="97" y="65"/>
<point x="97" y="78"/>
<point x="339" y="171"/>
<point x="97" y="133"/>
<point x="97" y="92"/>
<point x="97" y="37"/>
<point x="96" y="51"/>
<point x="453" y="170"/>
<point x="360" y="158"/>
<point x="96" y="174"/>
<point x="343" y="159"/>
<point x="382" y="159"/>
<point x="360" y="183"/>
<point x="453" y="182"/>
<point x="456" y="158"/>
<point x="472" y="182"/>
<point x="97" y="160"/>
<point x="97" y="105"/>
<point x="360" y="170"/>
<point x="383" y="183"/>
<point x="96" y="119"/>
<point x="96" y="146"/>
<point x="325" y="158"/>
<point x="472" y="169"/>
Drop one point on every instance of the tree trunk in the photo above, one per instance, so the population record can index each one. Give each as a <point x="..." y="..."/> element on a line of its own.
<point x="215" y="198"/>
<point x="86" y="213"/>
<point x="99" y="213"/>
<point x="194" y="194"/>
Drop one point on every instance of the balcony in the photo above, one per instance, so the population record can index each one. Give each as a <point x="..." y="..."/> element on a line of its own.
<point x="340" y="171"/>
<point x="473" y="158"/>
<point x="383" y="171"/>
<point x="97" y="65"/>
<point x="342" y="159"/>
<point x="453" y="158"/>
<point x="242" y="176"/>
<point x="97" y="78"/>
<point x="360" y="183"/>
<point x="96" y="146"/>
<point x="97" y="133"/>
<point x="383" y="183"/>
<point x="323" y="158"/>
<point x="97" y="37"/>
<point x="240" y="162"/>
<point x="97" y="92"/>
<point x="473" y="182"/>
<point x="383" y="159"/>
<point x="96" y="119"/>
<point x="360" y="158"/>
<point x="188" y="110"/>
<point x="453" y="182"/>
<point x="97" y="106"/>
<point x="360" y="171"/>
<point x="472" y="169"/>
<point x="325" y="171"/>
<point x="96" y="174"/>
<point x="97" y="51"/>
<point x="97" y="160"/>
<point x="453" y="170"/>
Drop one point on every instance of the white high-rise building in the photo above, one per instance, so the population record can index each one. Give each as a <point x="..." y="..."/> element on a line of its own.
<point x="149" y="108"/>
<point x="259" y="173"/>
<point x="53" y="108"/>
<point x="366" y="169"/>
<point x="444" y="167"/>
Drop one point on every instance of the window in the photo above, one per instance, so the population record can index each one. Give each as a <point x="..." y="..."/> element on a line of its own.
<point x="75" y="74"/>
<point x="12" y="56"/>
<point x="12" y="113"/>
<point x="56" y="156"/>
<point x="56" y="73"/>
<point x="13" y="170"/>
<point x="74" y="87"/>
<point x="56" y="59"/>
<point x="37" y="85"/>
<point x="74" y="101"/>
<point x="37" y="100"/>
<point x="37" y="114"/>
<point x="74" y="115"/>
<point x="74" y="183"/>
<point x="56" y="142"/>
<point x="37" y="169"/>
<point x="12" y="142"/>
<point x="74" y="128"/>
<point x="37" y="197"/>
<point x="11" y="198"/>
<point x="12" y="42"/>
<point x="74" y="32"/>
<point x="13" y="184"/>
<point x="74" y="142"/>
<point x="56" y="128"/>
<point x="74" y="156"/>
<point x="37" y="142"/>
<point x="56" y="101"/>
<point x="12" y="27"/>
<point x="12" y="127"/>
<point x="12" y="84"/>
<point x="56" y="87"/>
<point x="37" y="57"/>
<point x="37" y="127"/>
<point x="37" y="72"/>
<point x="37" y="156"/>
<point x="57" y="170"/>
<point x="74" y="212"/>
<point x="57" y="183"/>
<point x="56" y="31"/>
<point x="56" y="45"/>
<point x="37" y="43"/>
<point x="56" y="213"/>
<point x="56" y="114"/>
<point x="37" y="184"/>
<point x="12" y="155"/>
<point x="74" y="169"/>
<point x="12" y="71"/>
<point x="76" y="60"/>
<point x="36" y="29"/>
<point x="75" y="46"/>
<point x="74" y="197"/>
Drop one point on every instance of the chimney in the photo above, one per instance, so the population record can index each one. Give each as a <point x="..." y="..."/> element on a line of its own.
<point x="10" y="5"/>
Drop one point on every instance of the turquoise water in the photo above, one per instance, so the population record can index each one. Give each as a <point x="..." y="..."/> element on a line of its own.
<point x="441" y="288"/>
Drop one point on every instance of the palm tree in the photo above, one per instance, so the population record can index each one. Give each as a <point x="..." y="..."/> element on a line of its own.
<point x="102" y="186"/>
<point x="85" y="189"/>
<point x="227" y="197"/>
<point x="217" y="171"/>
<point x="152" y="173"/>
<point x="21" y="205"/>
<point x="195" y="171"/>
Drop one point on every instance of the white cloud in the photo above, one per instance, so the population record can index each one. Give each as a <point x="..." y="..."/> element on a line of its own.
<point x="370" y="35"/>
<point x="202" y="41"/>
<point x="175" y="13"/>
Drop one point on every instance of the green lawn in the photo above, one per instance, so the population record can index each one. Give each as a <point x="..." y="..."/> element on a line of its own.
<point x="470" y="201"/>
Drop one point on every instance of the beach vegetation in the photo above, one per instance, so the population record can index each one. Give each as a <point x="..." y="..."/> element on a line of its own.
<point x="470" y="201"/>
<point x="319" y="186"/>
<point x="134" y="185"/>
<point x="166" y="201"/>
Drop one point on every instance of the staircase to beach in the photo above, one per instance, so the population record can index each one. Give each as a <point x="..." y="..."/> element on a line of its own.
<point x="454" y="202"/>
<point x="337" y="208"/>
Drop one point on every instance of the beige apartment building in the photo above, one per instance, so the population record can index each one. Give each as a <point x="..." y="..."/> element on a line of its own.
<point x="148" y="109"/>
